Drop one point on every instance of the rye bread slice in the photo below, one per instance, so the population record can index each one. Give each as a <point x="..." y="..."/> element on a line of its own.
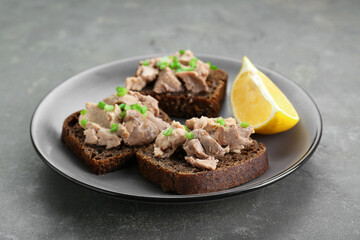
<point x="186" y="104"/>
<point x="174" y="174"/>
<point x="98" y="159"/>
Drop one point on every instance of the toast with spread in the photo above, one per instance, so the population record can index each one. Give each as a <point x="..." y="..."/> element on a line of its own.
<point x="106" y="135"/>
<point x="183" y="84"/>
<point x="174" y="174"/>
<point x="205" y="155"/>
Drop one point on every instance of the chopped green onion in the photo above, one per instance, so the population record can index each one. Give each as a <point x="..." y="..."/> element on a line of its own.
<point x="121" y="91"/>
<point x="163" y="65"/>
<point x="141" y="109"/>
<point x="145" y="63"/>
<point x="101" y="105"/>
<point x="168" y="132"/>
<point x="186" y="128"/>
<point x="182" y="52"/>
<point x="172" y="65"/>
<point x="175" y="63"/>
<point x="122" y="105"/>
<point x="144" y="110"/>
<point x="185" y="69"/>
<point x="114" y="127"/>
<point x="212" y="66"/>
<point x="136" y="106"/>
<point x="189" y="135"/>
<point x="244" y="124"/>
<point x="126" y="107"/>
<point x="83" y="112"/>
<point x="84" y="122"/>
<point x="123" y="114"/>
<point x="220" y="121"/>
<point x="192" y="62"/>
<point x="109" y="108"/>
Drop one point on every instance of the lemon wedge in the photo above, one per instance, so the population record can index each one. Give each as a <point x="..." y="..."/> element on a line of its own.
<point x="255" y="99"/>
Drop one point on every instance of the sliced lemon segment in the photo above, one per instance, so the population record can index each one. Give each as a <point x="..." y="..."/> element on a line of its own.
<point x="255" y="99"/>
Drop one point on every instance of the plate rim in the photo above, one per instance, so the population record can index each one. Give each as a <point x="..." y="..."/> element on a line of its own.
<point x="193" y="198"/>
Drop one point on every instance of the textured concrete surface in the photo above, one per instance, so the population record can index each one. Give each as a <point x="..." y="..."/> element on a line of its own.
<point x="315" y="43"/>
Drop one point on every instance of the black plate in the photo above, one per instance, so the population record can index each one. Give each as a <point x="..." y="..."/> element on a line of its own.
<point x="287" y="151"/>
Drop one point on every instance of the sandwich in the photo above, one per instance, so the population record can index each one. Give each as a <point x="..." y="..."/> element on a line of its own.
<point x="184" y="85"/>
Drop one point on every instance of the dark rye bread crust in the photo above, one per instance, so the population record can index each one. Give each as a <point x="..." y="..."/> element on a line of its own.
<point x="174" y="174"/>
<point x="186" y="104"/>
<point x="98" y="159"/>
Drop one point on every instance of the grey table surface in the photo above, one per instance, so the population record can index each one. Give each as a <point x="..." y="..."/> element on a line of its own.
<point x="315" y="43"/>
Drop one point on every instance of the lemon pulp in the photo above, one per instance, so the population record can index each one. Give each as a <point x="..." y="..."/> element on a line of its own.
<point x="257" y="100"/>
